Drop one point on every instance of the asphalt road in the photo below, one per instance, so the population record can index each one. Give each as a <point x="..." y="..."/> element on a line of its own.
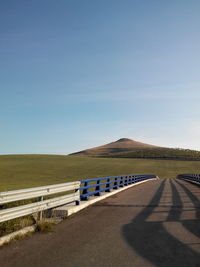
<point x="153" y="224"/>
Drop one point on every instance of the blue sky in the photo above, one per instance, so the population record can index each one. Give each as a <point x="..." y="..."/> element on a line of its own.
<point x="76" y="74"/>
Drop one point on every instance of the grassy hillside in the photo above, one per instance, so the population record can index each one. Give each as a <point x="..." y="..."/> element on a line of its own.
<point x="120" y="146"/>
<point x="127" y="148"/>
<point x="21" y="171"/>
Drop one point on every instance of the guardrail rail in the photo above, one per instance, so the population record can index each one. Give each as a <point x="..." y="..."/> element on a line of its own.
<point x="41" y="204"/>
<point x="94" y="187"/>
<point x="194" y="178"/>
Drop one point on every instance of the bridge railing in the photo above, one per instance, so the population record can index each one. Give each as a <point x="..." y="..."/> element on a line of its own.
<point x="76" y="191"/>
<point x="37" y="193"/>
<point x="94" y="187"/>
<point x="195" y="178"/>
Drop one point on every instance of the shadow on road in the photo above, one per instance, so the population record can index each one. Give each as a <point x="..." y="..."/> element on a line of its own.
<point x="192" y="225"/>
<point x="151" y="239"/>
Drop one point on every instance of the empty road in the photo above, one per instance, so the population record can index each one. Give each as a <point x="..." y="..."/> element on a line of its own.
<point x="153" y="224"/>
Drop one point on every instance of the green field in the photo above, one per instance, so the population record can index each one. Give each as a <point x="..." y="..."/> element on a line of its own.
<point x="22" y="171"/>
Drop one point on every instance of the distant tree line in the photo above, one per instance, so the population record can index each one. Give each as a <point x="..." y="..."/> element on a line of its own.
<point x="161" y="153"/>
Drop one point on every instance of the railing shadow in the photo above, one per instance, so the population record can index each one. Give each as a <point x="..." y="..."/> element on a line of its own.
<point x="152" y="241"/>
<point x="192" y="225"/>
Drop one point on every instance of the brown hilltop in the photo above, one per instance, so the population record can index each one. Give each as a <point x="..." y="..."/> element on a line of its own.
<point x="120" y="146"/>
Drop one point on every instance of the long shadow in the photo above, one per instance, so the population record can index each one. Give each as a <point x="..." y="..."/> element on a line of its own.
<point x="174" y="213"/>
<point x="192" y="225"/>
<point x="152" y="241"/>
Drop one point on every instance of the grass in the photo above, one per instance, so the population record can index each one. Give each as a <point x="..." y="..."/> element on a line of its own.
<point x="15" y="225"/>
<point x="44" y="226"/>
<point x="23" y="171"/>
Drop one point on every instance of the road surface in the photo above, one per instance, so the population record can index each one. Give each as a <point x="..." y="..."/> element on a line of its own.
<point x="153" y="224"/>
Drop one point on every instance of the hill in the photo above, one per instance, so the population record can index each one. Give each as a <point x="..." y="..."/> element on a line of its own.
<point x="120" y="146"/>
<point x="127" y="148"/>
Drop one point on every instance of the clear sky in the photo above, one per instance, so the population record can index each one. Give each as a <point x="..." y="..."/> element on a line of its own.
<point x="76" y="74"/>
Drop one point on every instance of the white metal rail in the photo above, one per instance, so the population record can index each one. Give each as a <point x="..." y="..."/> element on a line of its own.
<point x="16" y="212"/>
<point x="19" y="211"/>
<point x="15" y="195"/>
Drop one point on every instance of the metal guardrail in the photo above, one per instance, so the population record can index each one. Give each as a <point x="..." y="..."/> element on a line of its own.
<point x="15" y="195"/>
<point x="194" y="178"/>
<point x="16" y="212"/>
<point x="40" y="205"/>
<point x="90" y="187"/>
<point x="94" y="187"/>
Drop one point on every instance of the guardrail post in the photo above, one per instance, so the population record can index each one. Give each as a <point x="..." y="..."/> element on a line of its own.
<point x="126" y="180"/>
<point x="132" y="179"/>
<point x="78" y="201"/>
<point x="85" y="191"/>
<point x="115" y="183"/>
<point x="121" y="183"/>
<point x="41" y="212"/>
<point x="97" y="188"/>
<point x="108" y="185"/>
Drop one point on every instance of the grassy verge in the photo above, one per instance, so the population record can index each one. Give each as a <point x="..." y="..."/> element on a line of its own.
<point x="15" y="225"/>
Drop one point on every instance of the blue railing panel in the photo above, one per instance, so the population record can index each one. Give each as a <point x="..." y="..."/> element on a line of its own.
<point x="95" y="186"/>
<point x="190" y="177"/>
